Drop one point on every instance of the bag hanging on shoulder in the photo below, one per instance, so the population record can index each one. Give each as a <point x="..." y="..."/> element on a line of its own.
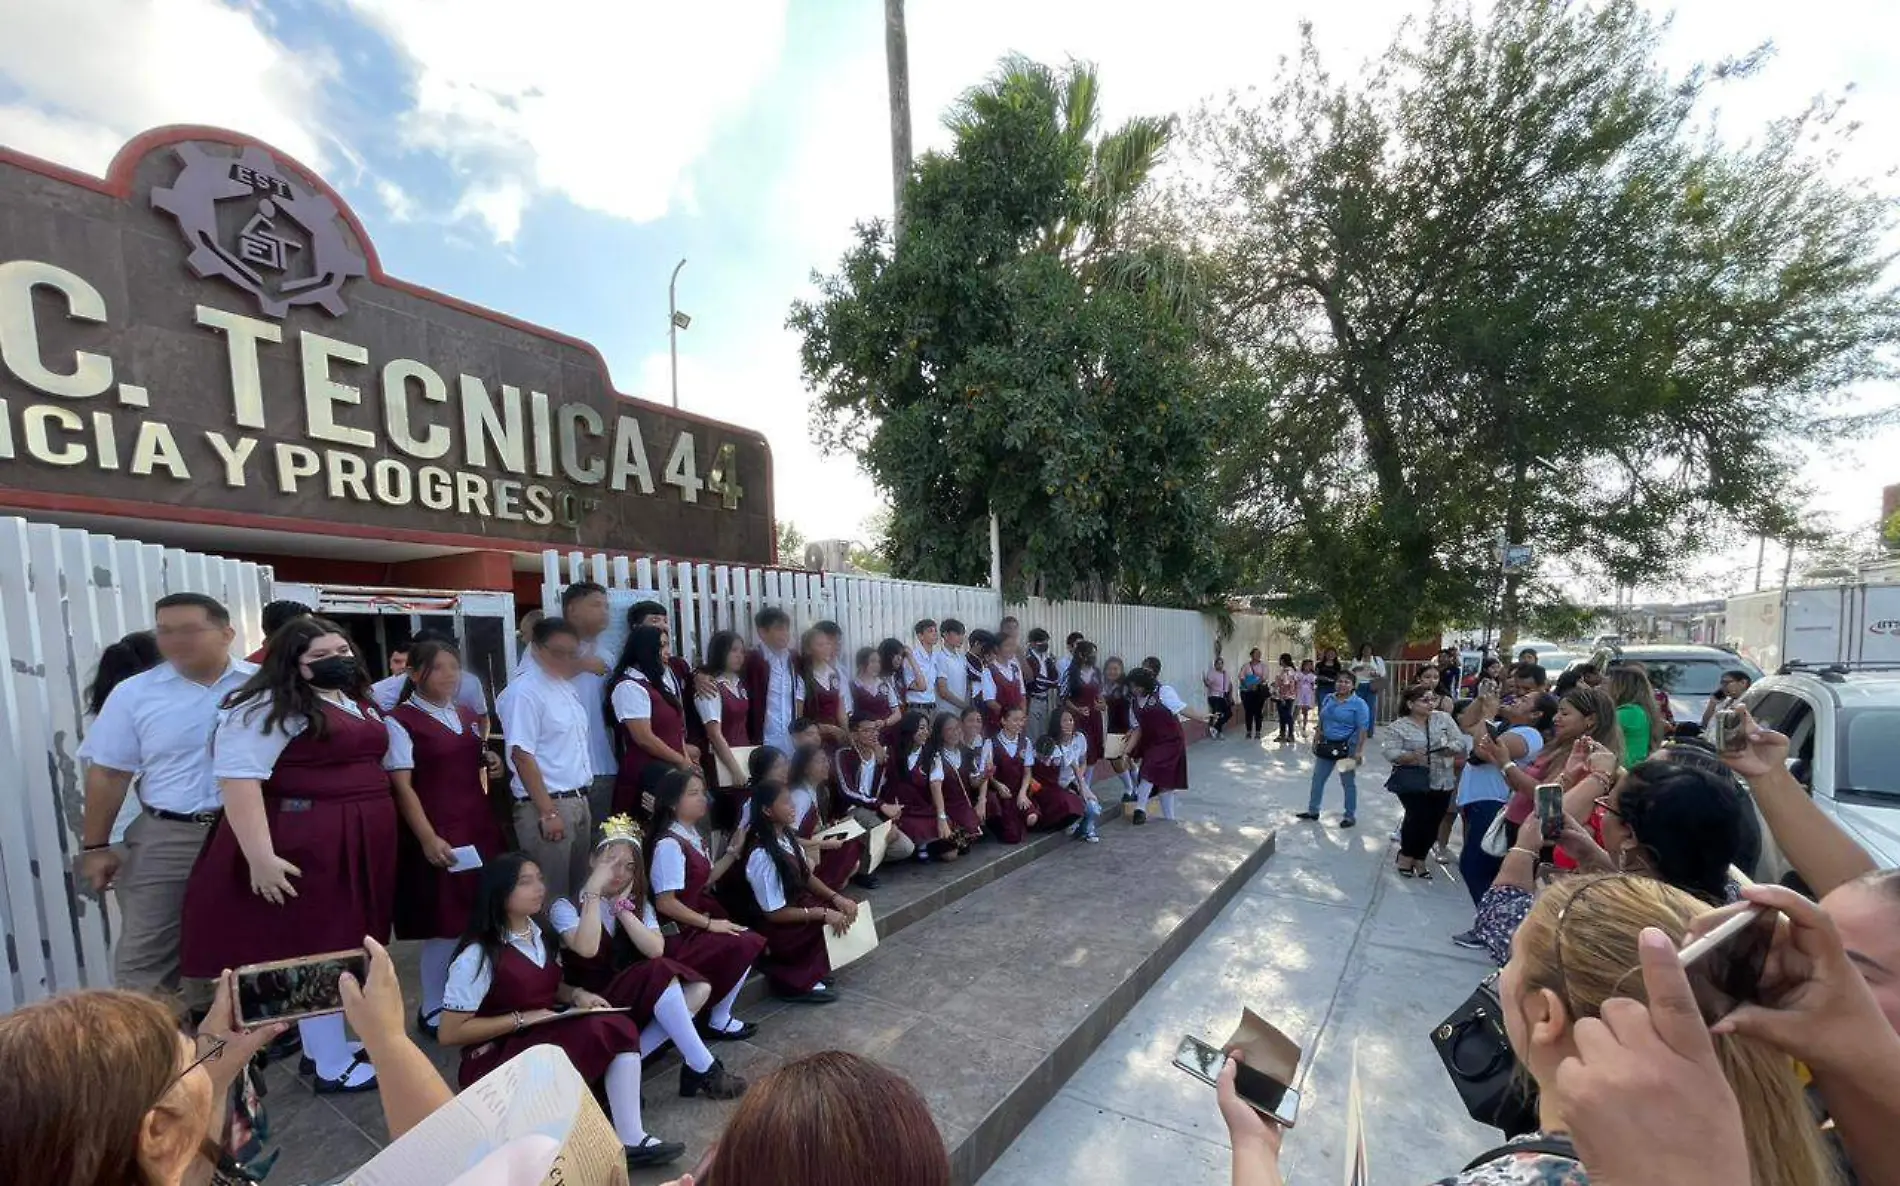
<point x="1477" y="1054"/>
<point x="1553" y="1144"/>
<point x="1410" y="780"/>
<point x="1497" y="837"/>
<point x="1332" y="751"/>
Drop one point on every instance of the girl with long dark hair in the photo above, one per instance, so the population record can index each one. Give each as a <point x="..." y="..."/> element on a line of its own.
<point x="304" y="859"/>
<point x="823" y="697"/>
<point x="506" y="994"/>
<point x="646" y="709"/>
<point x="681" y="875"/>
<point x="1157" y="742"/>
<point x="808" y="778"/>
<point x="438" y="766"/>
<point x="1012" y="812"/>
<point x="793" y="905"/>
<point x="614" y="948"/>
<point x="973" y="760"/>
<point x="136" y="652"/>
<point x="872" y="695"/>
<point x="917" y="787"/>
<point x="1117" y="722"/>
<point x="1082" y="695"/>
<point x="1058" y="789"/>
<point x="944" y="752"/>
<point x="727" y="712"/>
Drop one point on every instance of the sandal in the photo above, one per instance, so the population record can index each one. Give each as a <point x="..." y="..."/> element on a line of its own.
<point x="1422" y="872"/>
<point x="1407" y="871"/>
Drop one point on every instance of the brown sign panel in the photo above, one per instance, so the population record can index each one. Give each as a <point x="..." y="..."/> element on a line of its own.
<point x="206" y="335"/>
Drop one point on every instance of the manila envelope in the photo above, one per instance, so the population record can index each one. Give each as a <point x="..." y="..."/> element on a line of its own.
<point x="855" y="942"/>
<point x="741" y="754"/>
<point x="848" y="829"/>
<point x="879" y="839"/>
<point x="1265" y="1048"/>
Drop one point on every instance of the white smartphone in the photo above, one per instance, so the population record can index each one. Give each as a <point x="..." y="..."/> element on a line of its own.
<point x="1263" y="1093"/>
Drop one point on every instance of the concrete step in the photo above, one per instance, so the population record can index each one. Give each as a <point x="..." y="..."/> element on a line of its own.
<point x="990" y="1002"/>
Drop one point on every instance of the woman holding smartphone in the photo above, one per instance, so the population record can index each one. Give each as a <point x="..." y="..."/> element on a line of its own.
<point x="439" y="769"/>
<point x="1423" y="745"/>
<point x="808" y="779"/>
<point x="681" y="875"/>
<point x="506" y="994"/>
<point x="794" y="907"/>
<point x="304" y="860"/>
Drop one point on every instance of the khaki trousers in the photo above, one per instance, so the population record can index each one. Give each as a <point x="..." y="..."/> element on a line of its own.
<point x="159" y="854"/>
<point x="563" y="862"/>
<point x="899" y="848"/>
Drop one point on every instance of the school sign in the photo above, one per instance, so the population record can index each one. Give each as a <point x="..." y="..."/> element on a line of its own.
<point x="205" y="335"/>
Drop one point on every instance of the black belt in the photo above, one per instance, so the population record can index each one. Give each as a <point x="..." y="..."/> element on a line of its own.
<point x="560" y="795"/>
<point x="205" y="818"/>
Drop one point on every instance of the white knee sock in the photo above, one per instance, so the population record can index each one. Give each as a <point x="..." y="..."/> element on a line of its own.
<point x="623" y="1099"/>
<point x="1143" y="789"/>
<point x="1167" y="805"/>
<point x="672" y="1019"/>
<point x="329" y="1047"/>
<point x="721" y="1016"/>
<point x="1127" y="775"/>
<point x="435" y="974"/>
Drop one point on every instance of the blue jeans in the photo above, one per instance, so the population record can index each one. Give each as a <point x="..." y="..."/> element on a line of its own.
<point x="1323" y="770"/>
<point x="1478" y="867"/>
<point x="1091" y="809"/>
<point x="1372" y="700"/>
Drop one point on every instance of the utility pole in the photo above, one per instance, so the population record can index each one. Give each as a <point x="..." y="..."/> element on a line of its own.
<point x="897" y="68"/>
<point x="673" y="329"/>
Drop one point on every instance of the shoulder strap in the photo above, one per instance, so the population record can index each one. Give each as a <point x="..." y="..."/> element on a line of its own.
<point x="1554" y="1144"/>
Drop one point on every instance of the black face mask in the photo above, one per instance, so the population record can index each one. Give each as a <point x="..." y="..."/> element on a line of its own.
<point x="337" y="671"/>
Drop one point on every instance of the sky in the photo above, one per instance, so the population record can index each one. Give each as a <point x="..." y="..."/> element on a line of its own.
<point x="556" y="161"/>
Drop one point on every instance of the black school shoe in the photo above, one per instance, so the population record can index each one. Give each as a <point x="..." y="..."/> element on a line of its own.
<point x="654" y="1151"/>
<point x="430" y="1025"/>
<point x="867" y="881"/>
<point x="341" y="1085"/>
<point x="746" y="1030"/>
<point x="817" y="996"/>
<point x="1307" y="815"/>
<point x="1140" y="817"/>
<point x="715" y="1082"/>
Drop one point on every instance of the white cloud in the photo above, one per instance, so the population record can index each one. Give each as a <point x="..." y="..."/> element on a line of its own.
<point x="396" y="200"/>
<point x="605" y="103"/>
<point x="94" y="73"/>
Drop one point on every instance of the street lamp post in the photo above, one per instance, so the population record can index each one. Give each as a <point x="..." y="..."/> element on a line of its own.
<point x="675" y="322"/>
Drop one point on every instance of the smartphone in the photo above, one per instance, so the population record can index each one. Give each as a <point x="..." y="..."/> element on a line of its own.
<point x="1487" y="688"/>
<point x="1550" y="811"/>
<point x="1262" y="1092"/>
<point x="1725" y="966"/>
<point x="289" y="990"/>
<point x="1730" y="736"/>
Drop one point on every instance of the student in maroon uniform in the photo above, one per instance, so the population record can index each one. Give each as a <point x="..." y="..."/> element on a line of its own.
<point x="944" y="752"/>
<point x="815" y="809"/>
<point x="440" y="772"/>
<point x="1116" y="718"/>
<point x="681" y="875"/>
<point x="1157" y="742"/>
<point x="771" y="679"/>
<point x="1058" y="801"/>
<point x="646" y="706"/>
<point x="1004" y="683"/>
<point x="871" y="694"/>
<point x="504" y="987"/>
<point x="824" y="696"/>
<point x="917" y="787"/>
<point x="793" y="905"/>
<point x="304" y="859"/>
<point x="859" y="774"/>
<point x="1082" y="695"/>
<point x="728" y="716"/>
<point x="1012" y="752"/>
<point x="613" y="948"/>
<point x="1040" y="681"/>
<point x="973" y="759"/>
<point x="652" y="613"/>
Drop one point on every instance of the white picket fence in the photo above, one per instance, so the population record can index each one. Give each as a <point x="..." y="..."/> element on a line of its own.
<point x="65" y="595"/>
<point x="704" y="598"/>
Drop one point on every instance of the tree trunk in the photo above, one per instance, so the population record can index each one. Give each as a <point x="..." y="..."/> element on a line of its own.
<point x="897" y="70"/>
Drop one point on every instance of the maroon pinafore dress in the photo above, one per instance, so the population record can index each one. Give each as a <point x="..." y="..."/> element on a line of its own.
<point x="1009" y="694"/>
<point x="625" y="978"/>
<point x="640" y="771"/>
<point x="1058" y="806"/>
<point x="721" y="959"/>
<point x="331" y="814"/>
<point x="590" y="1041"/>
<point x="735" y="725"/>
<point x="1008" y="822"/>
<point x="795" y="958"/>
<point x="1088" y="695"/>
<point x="449" y="779"/>
<point x="834" y="867"/>
<point x="909" y="787"/>
<point x="875" y="702"/>
<point x="957" y="803"/>
<point x="823" y="700"/>
<point x="1163" y="747"/>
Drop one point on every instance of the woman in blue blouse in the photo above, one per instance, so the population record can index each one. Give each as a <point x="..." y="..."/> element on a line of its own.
<point x="1345" y="725"/>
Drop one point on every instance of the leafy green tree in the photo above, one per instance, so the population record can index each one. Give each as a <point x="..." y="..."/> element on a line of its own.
<point x="1503" y="284"/>
<point x="1028" y="350"/>
<point x="791" y="545"/>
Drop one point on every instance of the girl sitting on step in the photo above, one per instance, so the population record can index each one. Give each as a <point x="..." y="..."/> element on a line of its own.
<point x="793" y="907"/>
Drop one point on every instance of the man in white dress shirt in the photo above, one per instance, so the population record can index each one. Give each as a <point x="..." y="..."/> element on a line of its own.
<point x="952" y="676"/>
<point x="470" y="695"/>
<point x="770" y="677"/>
<point x="584" y="606"/>
<point x="545" y="721"/>
<point x="920" y="668"/>
<point x="156" y="727"/>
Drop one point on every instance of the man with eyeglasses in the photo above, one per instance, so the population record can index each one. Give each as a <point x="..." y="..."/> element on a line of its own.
<point x="156" y="727"/>
<point x="1729" y="692"/>
<point x="545" y="720"/>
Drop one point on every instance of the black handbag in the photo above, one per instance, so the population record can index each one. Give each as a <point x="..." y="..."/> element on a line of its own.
<point x="1409" y="780"/>
<point x="1476" y="1051"/>
<point x="1332" y="751"/>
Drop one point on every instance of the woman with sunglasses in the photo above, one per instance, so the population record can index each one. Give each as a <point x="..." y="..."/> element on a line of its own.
<point x="304" y="859"/>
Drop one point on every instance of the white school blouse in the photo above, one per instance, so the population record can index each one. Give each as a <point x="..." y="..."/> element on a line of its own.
<point x="633" y="697"/>
<point x="402" y="747"/>
<point x="471" y="972"/>
<point x="712" y="709"/>
<point x="240" y="748"/>
<point x="669" y="860"/>
<point x="567" y="918"/>
<point x="1072" y="753"/>
<point x="766" y="884"/>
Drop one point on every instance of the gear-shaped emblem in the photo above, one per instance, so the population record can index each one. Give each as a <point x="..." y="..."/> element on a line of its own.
<point x="308" y="266"/>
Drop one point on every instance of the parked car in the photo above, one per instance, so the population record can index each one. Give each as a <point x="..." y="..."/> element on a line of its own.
<point x="1690" y="674"/>
<point x="1843" y="729"/>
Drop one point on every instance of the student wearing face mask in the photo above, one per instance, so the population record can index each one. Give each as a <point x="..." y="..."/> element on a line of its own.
<point x="304" y="860"/>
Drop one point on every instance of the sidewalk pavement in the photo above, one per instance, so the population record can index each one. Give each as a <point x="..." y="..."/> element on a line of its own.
<point x="1329" y="944"/>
